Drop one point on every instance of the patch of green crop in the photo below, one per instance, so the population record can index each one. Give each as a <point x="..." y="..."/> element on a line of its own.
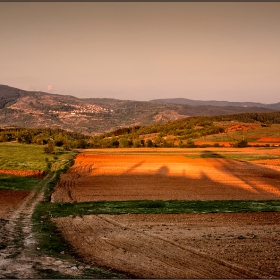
<point x="9" y="182"/>
<point x="160" y="207"/>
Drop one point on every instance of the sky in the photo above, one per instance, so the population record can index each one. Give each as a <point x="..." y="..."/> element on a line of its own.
<point x="143" y="50"/>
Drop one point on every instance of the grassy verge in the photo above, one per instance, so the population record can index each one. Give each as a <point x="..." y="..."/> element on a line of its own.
<point x="160" y="207"/>
<point x="49" y="239"/>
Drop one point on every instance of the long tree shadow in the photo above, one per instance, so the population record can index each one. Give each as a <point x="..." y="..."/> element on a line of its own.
<point x="229" y="180"/>
<point x="260" y="178"/>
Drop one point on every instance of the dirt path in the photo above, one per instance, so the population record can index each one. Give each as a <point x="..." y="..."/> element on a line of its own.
<point x="18" y="256"/>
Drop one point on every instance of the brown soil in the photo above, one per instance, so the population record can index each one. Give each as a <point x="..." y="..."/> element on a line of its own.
<point x="241" y="127"/>
<point x="10" y="200"/>
<point x="24" y="173"/>
<point x="244" y="245"/>
<point x="137" y="177"/>
<point x="275" y="161"/>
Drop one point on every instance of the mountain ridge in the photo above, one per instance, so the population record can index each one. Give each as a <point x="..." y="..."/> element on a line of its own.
<point x="93" y="116"/>
<point x="186" y="101"/>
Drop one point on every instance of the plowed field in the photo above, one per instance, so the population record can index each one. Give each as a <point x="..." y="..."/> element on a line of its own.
<point x="10" y="200"/>
<point x="165" y="177"/>
<point x="231" y="245"/>
<point x="268" y="161"/>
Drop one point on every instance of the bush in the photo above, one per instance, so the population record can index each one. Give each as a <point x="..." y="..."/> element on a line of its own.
<point x="49" y="148"/>
<point x="241" y="144"/>
<point x="149" y="143"/>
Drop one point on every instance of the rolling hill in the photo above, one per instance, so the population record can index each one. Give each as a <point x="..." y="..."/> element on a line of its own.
<point x="184" y="101"/>
<point x="93" y="116"/>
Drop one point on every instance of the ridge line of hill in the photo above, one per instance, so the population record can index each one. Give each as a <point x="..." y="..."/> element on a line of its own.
<point x="94" y="116"/>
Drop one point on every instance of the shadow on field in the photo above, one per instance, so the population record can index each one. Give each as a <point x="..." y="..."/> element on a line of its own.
<point x="259" y="178"/>
<point x="209" y="178"/>
<point x="164" y="170"/>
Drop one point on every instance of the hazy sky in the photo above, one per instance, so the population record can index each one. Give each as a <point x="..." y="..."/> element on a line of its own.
<point x="142" y="51"/>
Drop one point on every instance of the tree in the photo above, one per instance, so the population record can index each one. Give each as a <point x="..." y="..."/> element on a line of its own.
<point x="137" y="143"/>
<point x="82" y="144"/>
<point x="123" y="143"/>
<point x="66" y="146"/>
<point x="241" y="144"/>
<point x="190" y="143"/>
<point x="49" y="148"/>
<point x="4" y="138"/>
<point x="149" y="143"/>
<point x="115" y="142"/>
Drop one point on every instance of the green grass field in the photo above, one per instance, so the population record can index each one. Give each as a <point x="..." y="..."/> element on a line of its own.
<point x="23" y="156"/>
<point x="31" y="157"/>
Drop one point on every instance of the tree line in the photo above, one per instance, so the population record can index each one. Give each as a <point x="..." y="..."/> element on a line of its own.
<point x="58" y="137"/>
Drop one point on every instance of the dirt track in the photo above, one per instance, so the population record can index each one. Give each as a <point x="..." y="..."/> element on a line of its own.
<point x="19" y="257"/>
<point x="137" y="177"/>
<point x="231" y="245"/>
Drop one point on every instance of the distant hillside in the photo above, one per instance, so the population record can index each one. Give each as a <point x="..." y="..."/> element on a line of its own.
<point x="8" y="94"/>
<point x="32" y="109"/>
<point x="208" y="110"/>
<point x="184" y="101"/>
<point x="183" y="132"/>
<point x="93" y="116"/>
